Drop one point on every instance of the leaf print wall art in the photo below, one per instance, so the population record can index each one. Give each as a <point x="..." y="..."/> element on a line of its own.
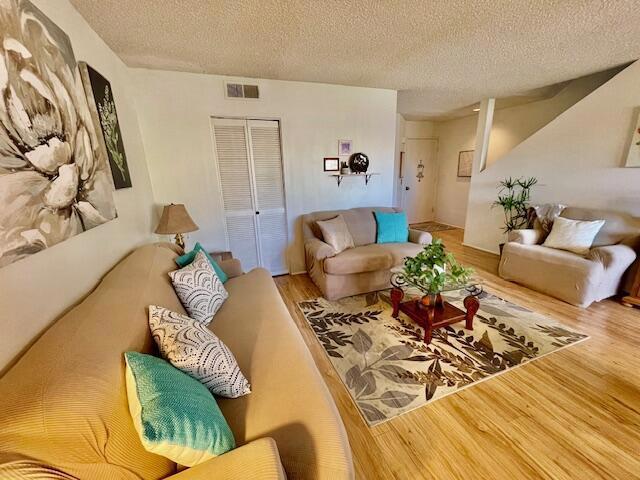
<point x="54" y="178"/>
<point x="105" y="118"/>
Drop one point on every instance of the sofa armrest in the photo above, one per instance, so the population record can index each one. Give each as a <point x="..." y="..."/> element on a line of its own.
<point x="318" y="250"/>
<point x="232" y="267"/>
<point x="256" y="460"/>
<point x="419" y="237"/>
<point x="528" y="236"/>
<point x="616" y="256"/>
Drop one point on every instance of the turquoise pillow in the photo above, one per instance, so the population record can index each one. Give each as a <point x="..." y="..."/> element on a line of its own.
<point x="392" y="227"/>
<point x="189" y="257"/>
<point x="174" y="414"/>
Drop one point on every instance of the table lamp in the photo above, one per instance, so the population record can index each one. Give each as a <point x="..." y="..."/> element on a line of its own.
<point x="176" y="219"/>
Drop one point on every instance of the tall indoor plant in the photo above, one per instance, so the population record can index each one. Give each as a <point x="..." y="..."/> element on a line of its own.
<point x="513" y="196"/>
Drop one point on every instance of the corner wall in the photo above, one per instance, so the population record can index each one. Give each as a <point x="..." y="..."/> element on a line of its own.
<point x="175" y="109"/>
<point x="577" y="159"/>
<point x="36" y="290"/>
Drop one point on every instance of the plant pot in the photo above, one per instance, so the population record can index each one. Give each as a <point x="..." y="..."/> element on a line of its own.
<point x="431" y="300"/>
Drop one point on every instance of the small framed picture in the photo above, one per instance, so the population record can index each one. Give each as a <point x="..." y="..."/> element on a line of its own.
<point x="344" y="147"/>
<point x="331" y="164"/>
<point x="465" y="163"/>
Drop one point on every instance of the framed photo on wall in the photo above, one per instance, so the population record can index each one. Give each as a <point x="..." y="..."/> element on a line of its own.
<point x="331" y="164"/>
<point x="465" y="163"/>
<point x="344" y="147"/>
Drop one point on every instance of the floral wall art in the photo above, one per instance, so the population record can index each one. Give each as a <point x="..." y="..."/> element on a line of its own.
<point x="55" y="180"/>
<point x="103" y="111"/>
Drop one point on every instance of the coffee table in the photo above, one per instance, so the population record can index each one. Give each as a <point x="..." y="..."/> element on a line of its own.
<point x="431" y="311"/>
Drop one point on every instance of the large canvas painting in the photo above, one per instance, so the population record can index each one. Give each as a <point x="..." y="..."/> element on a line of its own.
<point x="103" y="111"/>
<point x="55" y="181"/>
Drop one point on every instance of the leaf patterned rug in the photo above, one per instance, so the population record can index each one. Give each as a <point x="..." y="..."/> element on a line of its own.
<point x="389" y="370"/>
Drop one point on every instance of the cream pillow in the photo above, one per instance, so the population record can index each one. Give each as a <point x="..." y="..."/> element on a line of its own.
<point x="336" y="233"/>
<point x="573" y="235"/>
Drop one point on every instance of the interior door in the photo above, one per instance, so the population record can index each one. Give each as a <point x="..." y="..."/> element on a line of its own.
<point x="236" y="181"/>
<point x="419" y="172"/>
<point x="269" y="194"/>
<point x="249" y="159"/>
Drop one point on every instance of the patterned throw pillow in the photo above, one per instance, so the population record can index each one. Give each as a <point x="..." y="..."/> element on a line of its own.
<point x="174" y="415"/>
<point x="193" y="348"/>
<point x="199" y="289"/>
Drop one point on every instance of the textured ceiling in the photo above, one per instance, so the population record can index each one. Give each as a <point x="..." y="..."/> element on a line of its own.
<point x="441" y="54"/>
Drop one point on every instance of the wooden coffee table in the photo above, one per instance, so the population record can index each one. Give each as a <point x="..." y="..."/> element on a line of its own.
<point x="434" y="313"/>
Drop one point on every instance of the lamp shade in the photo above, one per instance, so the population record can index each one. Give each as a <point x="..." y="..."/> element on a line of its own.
<point x="175" y="219"/>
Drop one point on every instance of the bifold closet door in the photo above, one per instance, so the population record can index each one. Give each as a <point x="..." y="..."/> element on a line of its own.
<point x="251" y="179"/>
<point x="234" y="170"/>
<point x="269" y="188"/>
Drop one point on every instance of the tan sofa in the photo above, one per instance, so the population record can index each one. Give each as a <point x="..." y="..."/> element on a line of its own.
<point x="365" y="268"/>
<point x="579" y="280"/>
<point x="63" y="406"/>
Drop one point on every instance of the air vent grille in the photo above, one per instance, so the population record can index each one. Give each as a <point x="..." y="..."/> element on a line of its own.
<point x="238" y="90"/>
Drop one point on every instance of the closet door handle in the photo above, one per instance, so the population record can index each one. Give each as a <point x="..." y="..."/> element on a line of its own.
<point x="257" y="213"/>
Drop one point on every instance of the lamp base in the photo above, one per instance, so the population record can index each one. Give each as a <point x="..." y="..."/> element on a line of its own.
<point x="179" y="240"/>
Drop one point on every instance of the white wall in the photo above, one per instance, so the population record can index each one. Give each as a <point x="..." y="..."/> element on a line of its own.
<point x="174" y="110"/>
<point x="577" y="159"/>
<point x="34" y="291"/>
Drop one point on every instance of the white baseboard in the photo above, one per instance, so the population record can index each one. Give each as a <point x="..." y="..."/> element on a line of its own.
<point x="497" y="252"/>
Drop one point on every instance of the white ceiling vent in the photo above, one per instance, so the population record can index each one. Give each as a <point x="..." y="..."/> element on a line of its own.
<point x="238" y="90"/>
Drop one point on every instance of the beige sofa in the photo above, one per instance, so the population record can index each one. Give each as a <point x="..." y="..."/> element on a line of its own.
<point x="365" y="268"/>
<point x="579" y="280"/>
<point x="63" y="406"/>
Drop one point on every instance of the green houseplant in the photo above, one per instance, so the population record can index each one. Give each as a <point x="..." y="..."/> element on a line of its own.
<point x="433" y="269"/>
<point x="513" y="196"/>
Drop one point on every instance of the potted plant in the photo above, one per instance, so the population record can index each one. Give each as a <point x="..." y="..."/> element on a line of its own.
<point x="433" y="270"/>
<point x="513" y="196"/>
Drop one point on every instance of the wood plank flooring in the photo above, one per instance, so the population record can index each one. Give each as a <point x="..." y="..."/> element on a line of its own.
<point x="574" y="414"/>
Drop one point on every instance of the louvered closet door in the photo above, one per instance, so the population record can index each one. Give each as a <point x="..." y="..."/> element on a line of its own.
<point x="264" y="141"/>
<point x="236" y="181"/>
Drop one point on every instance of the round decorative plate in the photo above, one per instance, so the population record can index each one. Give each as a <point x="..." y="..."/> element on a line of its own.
<point x="359" y="162"/>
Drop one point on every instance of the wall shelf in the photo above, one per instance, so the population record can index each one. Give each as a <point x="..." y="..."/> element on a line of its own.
<point x="340" y="176"/>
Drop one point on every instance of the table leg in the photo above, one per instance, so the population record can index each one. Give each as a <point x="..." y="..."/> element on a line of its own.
<point x="428" y="328"/>
<point x="472" y="305"/>
<point x="396" y="298"/>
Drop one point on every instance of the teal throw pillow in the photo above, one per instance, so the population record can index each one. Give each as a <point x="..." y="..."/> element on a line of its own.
<point x="392" y="227"/>
<point x="187" y="258"/>
<point x="174" y="414"/>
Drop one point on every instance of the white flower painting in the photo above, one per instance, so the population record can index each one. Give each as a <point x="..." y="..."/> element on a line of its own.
<point x="55" y="180"/>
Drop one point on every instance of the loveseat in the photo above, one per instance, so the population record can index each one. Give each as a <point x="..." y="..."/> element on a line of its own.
<point x="364" y="268"/>
<point x="576" y="279"/>
<point x="63" y="405"/>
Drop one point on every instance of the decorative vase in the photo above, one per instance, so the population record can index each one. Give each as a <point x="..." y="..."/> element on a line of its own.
<point x="359" y="162"/>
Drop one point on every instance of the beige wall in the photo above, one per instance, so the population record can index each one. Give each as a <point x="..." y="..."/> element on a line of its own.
<point x="513" y="125"/>
<point x="174" y="111"/>
<point x="34" y="291"/>
<point x="577" y="159"/>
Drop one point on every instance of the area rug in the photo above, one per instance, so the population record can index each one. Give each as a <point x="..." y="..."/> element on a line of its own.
<point x="389" y="370"/>
<point x="432" y="227"/>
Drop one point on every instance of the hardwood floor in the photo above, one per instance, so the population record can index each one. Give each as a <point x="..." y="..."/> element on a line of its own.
<point x="572" y="414"/>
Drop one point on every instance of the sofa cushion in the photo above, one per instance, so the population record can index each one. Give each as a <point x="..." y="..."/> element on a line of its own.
<point x="336" y="233"/>
<point x="291" y="405"/>
<point x="573" y="235"/>
<point x="391" y="227"/>
<point x="187" y="258"/>
<point x="361" y="223"/>
<point x="199" y="289"/>
<point x="400" y="251"/>
<point x="368" y="258"/>
<point x="192" y="348"/>
<point x="558" y="273"/>
<point x="174" y="414"/>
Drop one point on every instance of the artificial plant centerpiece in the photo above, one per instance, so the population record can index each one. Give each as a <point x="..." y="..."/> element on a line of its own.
<point x="434" y="270"/>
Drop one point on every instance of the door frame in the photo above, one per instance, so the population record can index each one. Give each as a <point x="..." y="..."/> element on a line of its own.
<point x="436" y="169"/>
<point x="246" y="119"/>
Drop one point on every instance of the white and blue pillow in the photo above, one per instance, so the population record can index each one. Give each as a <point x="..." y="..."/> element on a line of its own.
<point x="199" y="289"/>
